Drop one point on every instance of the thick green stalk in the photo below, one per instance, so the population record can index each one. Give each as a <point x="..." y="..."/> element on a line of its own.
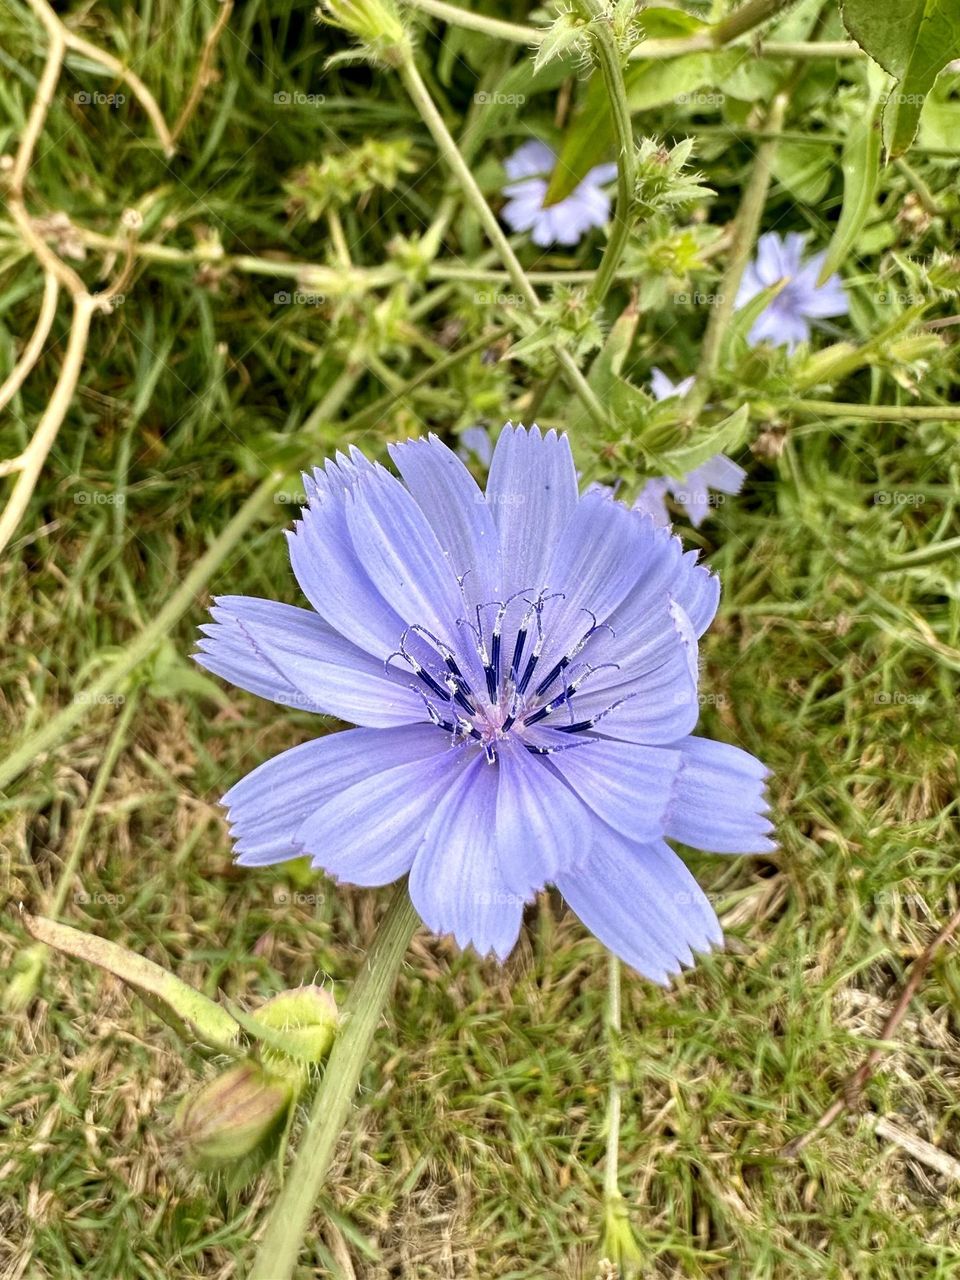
<point x="611" y="1173"/>
<point x="290" y="1216"/>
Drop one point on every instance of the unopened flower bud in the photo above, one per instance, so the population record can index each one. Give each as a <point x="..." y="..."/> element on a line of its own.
<point x="375" y="23"/>
<point x="307" y="1018"/>
<point x="229" y="1118"/>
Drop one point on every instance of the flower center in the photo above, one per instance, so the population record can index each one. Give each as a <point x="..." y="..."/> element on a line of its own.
<point x="508" y="691"/>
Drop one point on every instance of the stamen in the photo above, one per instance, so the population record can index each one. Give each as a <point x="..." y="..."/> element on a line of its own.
<point x="457" y="685"/>
<point x="534" y="658"/>
<point x="575" y="652"/>
<point x="419" y="671"/>
<point x="568" y="746"/>
<point x="582" y="725"/>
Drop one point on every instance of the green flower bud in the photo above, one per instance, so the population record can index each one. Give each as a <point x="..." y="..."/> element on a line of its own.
<point x="232" y="1116"/>
<point x="307" y="1019"/>
<point x="375" y="23"/>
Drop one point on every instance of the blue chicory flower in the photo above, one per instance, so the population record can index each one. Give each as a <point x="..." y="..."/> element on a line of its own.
<point x="786" y="320"/>
<point x="565" y="222"/>
<point x="522" y="666"/>
<point x="691" y="491"/>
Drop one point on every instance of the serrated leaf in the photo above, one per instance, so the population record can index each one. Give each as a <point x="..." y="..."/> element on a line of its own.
<point x="913" y="40"/>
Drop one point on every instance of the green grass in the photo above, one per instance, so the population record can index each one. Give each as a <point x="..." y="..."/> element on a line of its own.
<point x="476" y="1148"/>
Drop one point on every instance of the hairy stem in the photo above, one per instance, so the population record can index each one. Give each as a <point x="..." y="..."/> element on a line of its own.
<point x="611" y="67"/>
<point x="420" y="95"/>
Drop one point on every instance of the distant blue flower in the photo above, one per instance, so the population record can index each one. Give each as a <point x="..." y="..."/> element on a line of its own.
<point x="786" y="320"/>
<point x="523" y="664"/>
<point x="476" y="445"/>
<point x="691" y="491"/>
<point x="565" y="222"/>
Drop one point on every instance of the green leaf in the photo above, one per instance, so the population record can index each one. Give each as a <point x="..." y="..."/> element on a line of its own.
<point x="804" y="168"/>
<point x="192" y="1015"/>
<point x="860" y="164"/>
<point x="722" y="437"/>
<point x="660" y="24"/>
<point x="913" y="40"/>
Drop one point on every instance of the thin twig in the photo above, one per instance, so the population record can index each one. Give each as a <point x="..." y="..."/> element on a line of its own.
<point x="854" y="1086"/>
<point x="33" y="457"/>
<point x="31" y="352"/>
<point x="130" y="78"/>
<point x="200" y="80"/>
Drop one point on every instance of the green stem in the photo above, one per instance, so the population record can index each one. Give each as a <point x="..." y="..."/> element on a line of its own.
<point x="611" y="1175"/>
<point x="738" y="24"/>
<point x="420" y="96"/>
<point x="116" y="672"/>
<point x="290" y="1216"/>
<point x="608" y="54"/>
<point x="879" y="412"/>
<point x="745" y="18"/>
<point x="745" y="227"/>
<point x="457" y="17"/>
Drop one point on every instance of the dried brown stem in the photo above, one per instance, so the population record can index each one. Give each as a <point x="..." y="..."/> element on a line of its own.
<point x="854" y="1086"/>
